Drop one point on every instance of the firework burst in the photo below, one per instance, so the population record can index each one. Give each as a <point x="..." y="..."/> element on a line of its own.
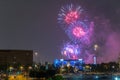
<point x="69" y="14"/>
<point x="71" y="51"/>
<point x="78" y="32"/>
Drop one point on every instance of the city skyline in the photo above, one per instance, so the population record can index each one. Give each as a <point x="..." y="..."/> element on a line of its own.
<point x="32" y="25"/>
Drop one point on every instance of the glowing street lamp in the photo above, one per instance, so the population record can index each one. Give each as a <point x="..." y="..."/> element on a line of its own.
<point x="29" y="67"/>
<point x="95" y="47"/>
<point x="11" y="68"/>
<point x="21" y="68"/>
<point x="36" y="53"/>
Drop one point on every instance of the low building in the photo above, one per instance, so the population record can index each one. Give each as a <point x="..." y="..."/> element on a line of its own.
<point x="24" y="57"/>
<point x="75" y="63"/>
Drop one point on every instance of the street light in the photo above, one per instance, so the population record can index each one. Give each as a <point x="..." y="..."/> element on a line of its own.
<point x="10" y="69"/>
<point x="29" y="67"/>
<point x="95" y="47"/>
<point x="36" y="54"/>
<point x="21" y="68"/>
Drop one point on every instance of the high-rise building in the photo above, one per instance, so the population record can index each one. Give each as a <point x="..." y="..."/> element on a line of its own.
<point x="94" y="60"/>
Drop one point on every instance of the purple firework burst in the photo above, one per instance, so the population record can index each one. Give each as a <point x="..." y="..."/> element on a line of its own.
<point x="71" y="51"/>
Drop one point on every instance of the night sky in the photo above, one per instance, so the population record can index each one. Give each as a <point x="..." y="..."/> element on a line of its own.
<point x="32" y="24"/>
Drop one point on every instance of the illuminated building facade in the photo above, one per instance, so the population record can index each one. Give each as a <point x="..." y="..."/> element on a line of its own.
<point x="78" y="63"/>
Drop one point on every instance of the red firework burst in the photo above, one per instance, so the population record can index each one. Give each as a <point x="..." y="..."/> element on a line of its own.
<point x="78" y="32"/>
<point x="71" y="17"/>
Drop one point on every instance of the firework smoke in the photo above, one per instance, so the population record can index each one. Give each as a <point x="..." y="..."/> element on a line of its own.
<point x="108" y="41"/>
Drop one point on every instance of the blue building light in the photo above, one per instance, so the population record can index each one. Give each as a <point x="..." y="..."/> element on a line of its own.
<point x="61" y="59"/>
<point x="80" y="59"/>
